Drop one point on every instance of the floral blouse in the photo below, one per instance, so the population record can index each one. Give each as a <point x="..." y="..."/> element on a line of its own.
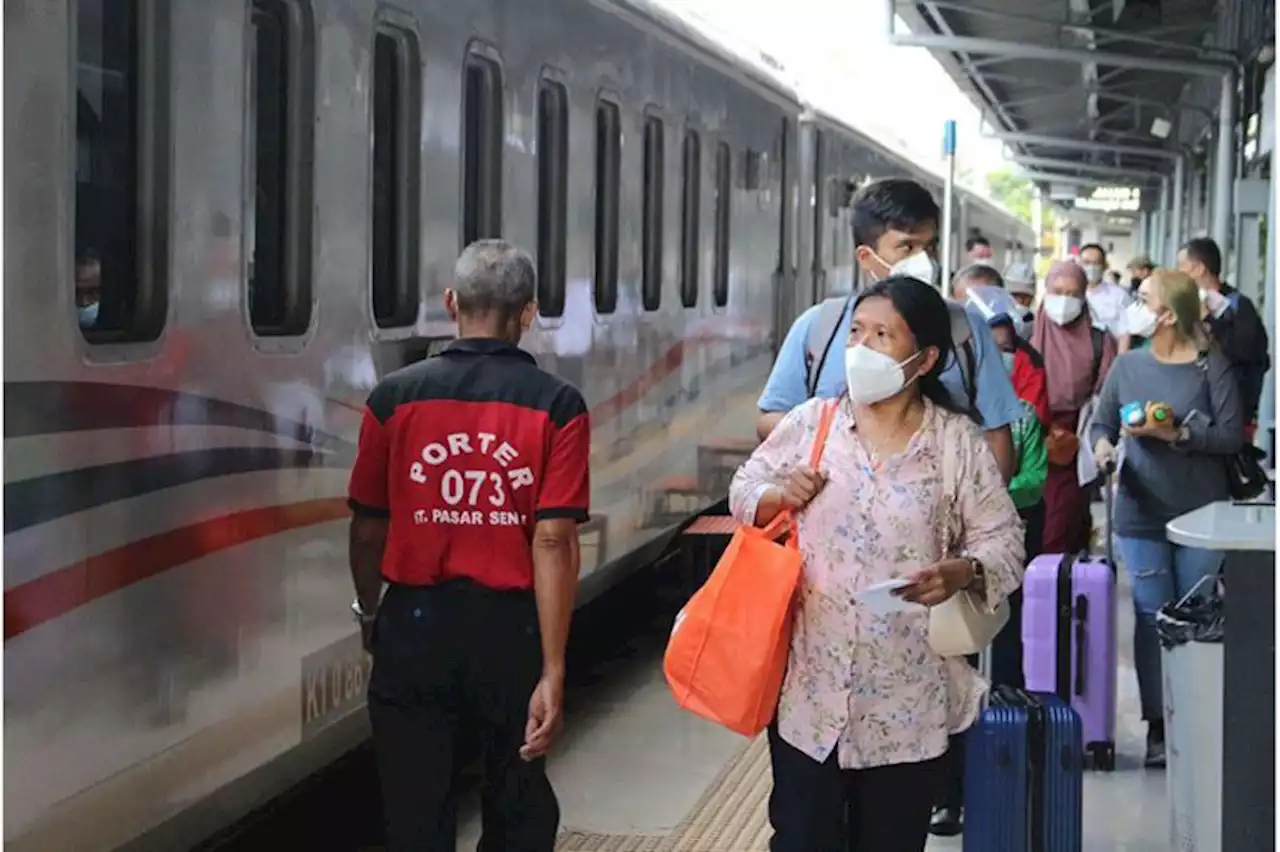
<point x="870" y="685"/>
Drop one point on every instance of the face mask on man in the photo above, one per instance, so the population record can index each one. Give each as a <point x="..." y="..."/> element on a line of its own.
<point x="1063" y="309"/>
<point x="919" y="266"/>
<point x="89" y="315"/>
<point x="1092" y="272"/>
<point x="873" y="376"/>
<point x="1028" y="324"/>
<point x="1213" y="300"/>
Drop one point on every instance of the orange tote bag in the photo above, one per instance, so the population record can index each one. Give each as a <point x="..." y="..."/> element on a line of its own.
<point x="728" y="649"/>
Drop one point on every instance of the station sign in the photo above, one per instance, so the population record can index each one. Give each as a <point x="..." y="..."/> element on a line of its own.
<point x="1111" y="199"/>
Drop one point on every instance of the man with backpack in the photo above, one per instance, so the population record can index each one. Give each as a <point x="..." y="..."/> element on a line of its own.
<point x="895" y="226"/>
<point x="1233" y="323"/>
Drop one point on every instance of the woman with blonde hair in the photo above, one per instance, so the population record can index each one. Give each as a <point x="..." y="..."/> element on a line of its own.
<point x="1168" y="466"/>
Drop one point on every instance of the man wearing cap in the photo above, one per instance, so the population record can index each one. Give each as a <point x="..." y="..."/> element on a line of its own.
<point x="1020" y="282"/>
<point x="1139" y="270"/>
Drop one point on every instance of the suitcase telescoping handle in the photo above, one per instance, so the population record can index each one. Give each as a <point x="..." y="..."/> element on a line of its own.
<point x="1108" y="497"/>
<point x="1081" y="618"/>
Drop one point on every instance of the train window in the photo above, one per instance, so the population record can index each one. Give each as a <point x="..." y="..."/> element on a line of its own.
<point x="750" y="169"/>
<point x="724" y="198"/>
<point x="651" y="240"/>
<point x="690" y="217"/>
<point x="482" y="159"/>
<point x="608" y="154"/>
<point x="839" y="196"/>
<point x="120" y="256"/>
<point x="280" y="126"/>
<point x="395" y="178"/>
<point x="553" y="170"/>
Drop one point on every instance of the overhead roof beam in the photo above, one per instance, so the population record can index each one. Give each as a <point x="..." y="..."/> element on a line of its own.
<point x="966" y="61"/>
<point x="1076" y="180"/>
<point x="1079" y="56"/>
<point x="1110" y="95"/>
<point x="1082" y="145"/>
<point x="1155" y="37"/>
<point x="1182" y="106"/>
<point x="1096" y="168"/>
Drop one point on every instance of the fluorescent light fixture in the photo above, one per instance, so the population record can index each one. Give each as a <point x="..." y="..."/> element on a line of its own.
<point x="1160" y="128"/>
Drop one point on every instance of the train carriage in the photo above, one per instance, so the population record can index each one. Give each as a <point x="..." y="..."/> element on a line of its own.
<point x="270" y="195"/>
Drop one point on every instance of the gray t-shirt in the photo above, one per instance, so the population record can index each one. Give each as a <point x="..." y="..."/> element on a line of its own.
<point x="1160" y="481"/>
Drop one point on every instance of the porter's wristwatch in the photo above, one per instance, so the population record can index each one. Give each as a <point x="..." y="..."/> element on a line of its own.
<point x="362" y="618"/>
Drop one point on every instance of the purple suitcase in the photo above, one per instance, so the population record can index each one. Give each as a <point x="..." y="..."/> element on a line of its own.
<point x="1069" y="639"/>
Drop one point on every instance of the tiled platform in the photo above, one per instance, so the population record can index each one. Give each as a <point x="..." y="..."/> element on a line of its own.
<point x="632" y="763"/>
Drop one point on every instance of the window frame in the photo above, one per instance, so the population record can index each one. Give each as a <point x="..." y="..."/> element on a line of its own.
<point x="552" y="226"/>
<point x="145" y="314"/>
<point x="606" y="204"/>
<point x="653" y="209"/>
<point x="406" y="178"/>
<point x="488" y="213"/>
<point x="297" y="206"/>
<point x="723" y="223"/>
<point x="690" y="216"/>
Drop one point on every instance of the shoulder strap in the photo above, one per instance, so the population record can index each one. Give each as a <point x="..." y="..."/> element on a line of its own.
<point x="968" y="367"/>
<point x="785" y="519"/>
<point x="962" y="339"/>
<point x="950" y="490"/>
<point x="822" y="333"/>
<point x="825" y="420"/>
<point x="1099" y="343"/>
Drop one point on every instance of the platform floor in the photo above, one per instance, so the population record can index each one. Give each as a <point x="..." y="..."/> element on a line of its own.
<point x="633" y="770"/>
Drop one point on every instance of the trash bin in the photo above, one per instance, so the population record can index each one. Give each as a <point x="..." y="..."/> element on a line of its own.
<point x="1191" y="658"/>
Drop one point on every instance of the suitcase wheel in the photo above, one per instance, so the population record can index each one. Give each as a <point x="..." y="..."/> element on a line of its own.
<point x="1103" y="756"/>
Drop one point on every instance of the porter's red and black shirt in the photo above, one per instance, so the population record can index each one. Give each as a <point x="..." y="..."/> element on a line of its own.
<point x="464" y="452"/>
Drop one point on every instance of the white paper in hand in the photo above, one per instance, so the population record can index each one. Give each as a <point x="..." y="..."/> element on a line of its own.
<point x="880" y="600"/>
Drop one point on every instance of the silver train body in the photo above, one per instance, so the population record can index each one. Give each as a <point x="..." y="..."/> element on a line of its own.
<point x="177" y="640"/>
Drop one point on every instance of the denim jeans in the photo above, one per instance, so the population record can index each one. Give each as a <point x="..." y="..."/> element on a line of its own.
<point x="1160" y="572"/>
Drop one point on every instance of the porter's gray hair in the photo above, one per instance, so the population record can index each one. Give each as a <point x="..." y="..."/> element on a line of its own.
<point x="494" y="276"/>
<point x="979" y="273"/>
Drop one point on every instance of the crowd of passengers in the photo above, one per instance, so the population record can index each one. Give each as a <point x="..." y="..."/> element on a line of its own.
<point x="866" y="742"/>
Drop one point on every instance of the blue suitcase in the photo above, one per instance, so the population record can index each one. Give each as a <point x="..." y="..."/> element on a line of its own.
<point x="1024" y="775"/>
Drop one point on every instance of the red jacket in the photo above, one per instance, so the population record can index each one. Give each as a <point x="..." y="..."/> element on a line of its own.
<point x="1028" y="379"/>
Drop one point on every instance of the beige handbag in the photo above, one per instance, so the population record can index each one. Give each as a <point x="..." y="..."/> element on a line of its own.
<point x="961" y="625"/>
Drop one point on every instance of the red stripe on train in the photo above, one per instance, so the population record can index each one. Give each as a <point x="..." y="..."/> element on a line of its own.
<point x="55" y="594"/>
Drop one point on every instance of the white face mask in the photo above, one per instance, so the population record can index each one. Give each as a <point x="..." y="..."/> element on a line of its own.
<point x="1063" y="309"/>
<point x="1140" y="320"/>
<point x="1092" y="271"/>
<point x="873" y="376"/>
<point x="89" y="315"/>
<point x="1027" y="325"/>
<point x="1007" y="358"/>
<point x="919" y="266"/>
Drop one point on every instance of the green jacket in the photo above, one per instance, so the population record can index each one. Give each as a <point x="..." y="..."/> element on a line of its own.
<point x="1027" y="486"/>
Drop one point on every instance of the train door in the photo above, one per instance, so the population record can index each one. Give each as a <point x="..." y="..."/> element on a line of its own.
<point x="806" y="197"/>
<point x="784" y="277"/>
<point x="818" y="217"/>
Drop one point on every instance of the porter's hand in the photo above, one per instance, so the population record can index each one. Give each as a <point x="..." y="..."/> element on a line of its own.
<point x="546" y="707"/>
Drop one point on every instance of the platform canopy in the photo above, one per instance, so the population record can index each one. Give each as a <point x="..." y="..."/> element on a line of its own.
<point x="1096" y="92"/>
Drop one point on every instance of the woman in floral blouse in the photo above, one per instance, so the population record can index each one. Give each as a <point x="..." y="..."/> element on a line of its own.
<point x="867" y="705"/>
